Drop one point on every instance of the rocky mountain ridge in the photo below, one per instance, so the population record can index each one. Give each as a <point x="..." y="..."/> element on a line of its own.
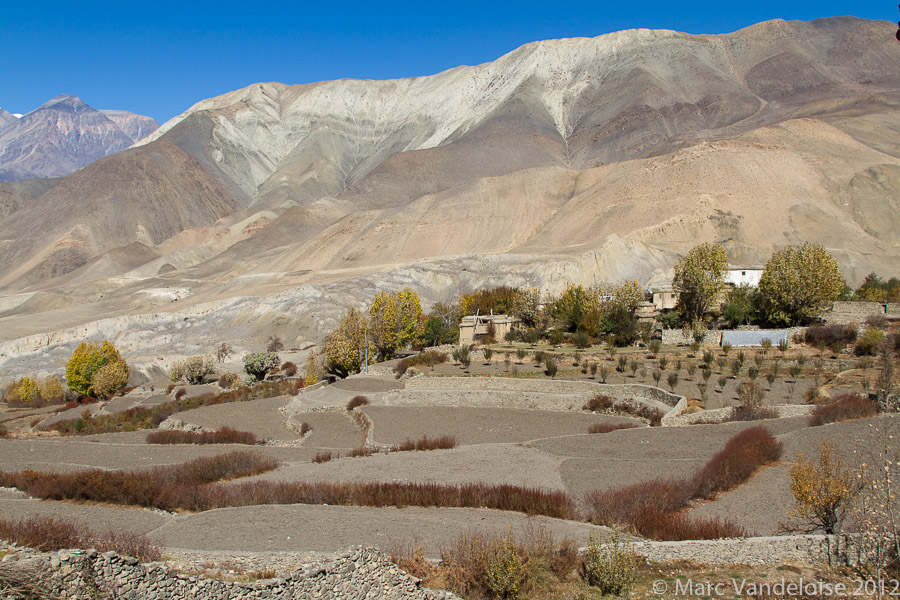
<point x="63" y="135"/>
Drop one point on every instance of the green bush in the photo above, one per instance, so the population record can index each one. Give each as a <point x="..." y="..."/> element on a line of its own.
<point x="505" y="571"/>
<point x="192" y="369"/>
<point x="86" y="361"/>
<point x="669" y="320"/>
<point x="869" y="341"/>
<point x="610" y="564"/>
<point x="258" y="364"/>
<point x="550" y="367"/>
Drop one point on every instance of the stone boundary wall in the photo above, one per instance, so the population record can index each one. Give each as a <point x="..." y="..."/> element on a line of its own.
<point x="508" y="391"/>
<point x="771" y="550"/>
<point x="675" y="337"/>
<point x="674" y="419"/>
<point x="358" y="574"/>
<point x="864" y="309"/>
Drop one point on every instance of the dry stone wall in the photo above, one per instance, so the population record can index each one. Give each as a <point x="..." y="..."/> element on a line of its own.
<point x="545" y="394"/>
<point x="359" y="574"/>
<point x="771" y="550"/>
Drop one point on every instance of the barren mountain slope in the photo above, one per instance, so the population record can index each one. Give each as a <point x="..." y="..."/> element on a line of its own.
<point x="564" y="160"/>
<point x="142" y="196"/>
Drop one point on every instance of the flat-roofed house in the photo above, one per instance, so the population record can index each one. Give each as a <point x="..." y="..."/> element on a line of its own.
<point x="474" y="327"/>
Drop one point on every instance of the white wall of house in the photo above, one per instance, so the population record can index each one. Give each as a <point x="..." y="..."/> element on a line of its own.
<point x="739" y="276"/>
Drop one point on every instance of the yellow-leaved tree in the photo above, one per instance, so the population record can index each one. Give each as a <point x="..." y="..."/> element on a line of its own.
<point x="822" y="489"/>
<point x="87" y="360"/>
<point x="345" y="346"/>
<point x="394" y="320"/>
<point x="799" y="282"/>
<point x="699" y="278"/>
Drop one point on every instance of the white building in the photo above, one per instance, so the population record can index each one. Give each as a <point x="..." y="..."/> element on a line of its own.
<point x="738" y="276"/>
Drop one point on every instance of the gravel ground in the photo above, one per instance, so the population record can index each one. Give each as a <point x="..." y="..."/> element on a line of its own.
<point x="526" y="447"/>
<point x="699" y="442"/>
<point x="330" y="528"/>
<point x="394" y="424"/>
<point x="98" y="518"/>
<point x="580" y="475"/>
<point x="73" y="454"/>
<point x="494" y="463"/>
<point x="330" y="429"/>
<point x="759" y="505"/>
<point x="261" y="417"/>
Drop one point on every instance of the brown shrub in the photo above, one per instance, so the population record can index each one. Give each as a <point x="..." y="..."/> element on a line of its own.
<point x="608" y="427"/>
<point x="751" y="413"/>
<point x="168" y="488"/>
<point x="639" y="409"/>
<point x="48" y="534"/>
<point x="620" y="506"/>
<point x="357" y="401"/>
<point x="845" y="407"/>
<point x="305" y="428"/>
<point x="181" y="393"/>
<point x="362" y="451"/>
<point x="599" y="403"/>
<point x="531" y="501"/>
<point x="737" y="462"/>
<point x="658" y="525"/>
<point x="830" y="334"/>
<point x="444" y="442"/>
<point x="223" y="435"/>
<point x="289" y="369"/>
<point x="653" y="508"/>
<point x="477" y="564"/>
<point x="323" y="456"/>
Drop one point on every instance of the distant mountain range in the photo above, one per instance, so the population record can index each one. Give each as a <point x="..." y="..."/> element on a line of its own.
<point x="64" y="135"/>
<point x="273" y="208"/>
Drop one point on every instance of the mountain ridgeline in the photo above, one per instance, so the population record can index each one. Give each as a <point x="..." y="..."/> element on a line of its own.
<point x="64" y="135"/>
<point x="563" y="160"/>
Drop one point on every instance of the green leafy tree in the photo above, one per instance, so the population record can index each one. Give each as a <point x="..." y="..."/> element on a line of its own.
<point x="739" y="306"/>
<point x="799" y="282"/>
<point x="258" y="364"/>
<point x="394" y="320"/>
<point x="570" y="308"/>
<point x="699" y="279"/>
<point x="345" y="346"/>
<point x="86" y="361"/>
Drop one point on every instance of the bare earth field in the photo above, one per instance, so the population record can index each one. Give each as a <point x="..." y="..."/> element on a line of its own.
<point x="535" y="448"/>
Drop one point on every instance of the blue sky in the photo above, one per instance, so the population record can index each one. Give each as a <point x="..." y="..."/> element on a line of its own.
<point x="159" y="58"/>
